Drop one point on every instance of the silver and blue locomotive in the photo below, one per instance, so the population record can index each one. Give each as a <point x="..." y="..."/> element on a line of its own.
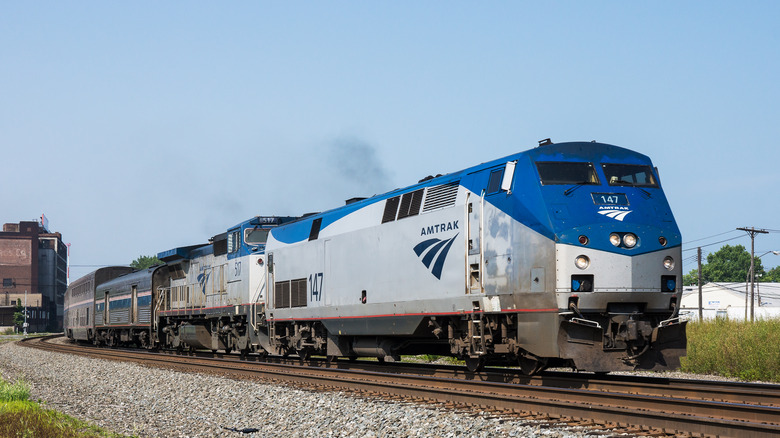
<point x="566" y="254"/>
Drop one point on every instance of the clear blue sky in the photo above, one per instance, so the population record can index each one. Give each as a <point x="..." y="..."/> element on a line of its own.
<point x="138" y="127"/>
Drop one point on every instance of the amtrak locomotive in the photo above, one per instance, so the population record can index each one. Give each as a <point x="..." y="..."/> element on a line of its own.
<point x="563" y="255"/>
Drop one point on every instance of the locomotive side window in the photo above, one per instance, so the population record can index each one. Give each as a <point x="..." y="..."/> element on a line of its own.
<point x="494" y="184"/>
<point x="629" y="175"/>
<point x="566" y="172"/>
<point x="233" y="241"/>
<point x="315" y="229"/>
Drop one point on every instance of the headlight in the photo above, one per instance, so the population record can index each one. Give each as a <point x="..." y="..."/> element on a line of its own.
<point x="629" y="240"/>
<point x="614" y="239"/>
<point x="582" y="261"/>
<point x="584" y="240"/>
<point x="662" y="240"/>
<point x="668" y="263"/>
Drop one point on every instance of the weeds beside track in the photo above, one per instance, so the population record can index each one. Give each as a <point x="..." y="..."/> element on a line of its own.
<point x="747" y="351"/>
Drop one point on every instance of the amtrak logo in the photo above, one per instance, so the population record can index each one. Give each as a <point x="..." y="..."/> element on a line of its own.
<point x="203" y="278"/>
<point x="434" y="249"/>
<point x="617" y="213"/>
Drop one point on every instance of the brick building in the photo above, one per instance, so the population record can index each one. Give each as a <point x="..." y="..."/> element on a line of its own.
<point x="35" y="261"/>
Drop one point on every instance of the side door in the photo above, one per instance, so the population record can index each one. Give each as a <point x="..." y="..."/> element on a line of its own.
<point x="474" y="206"/>
<point x="106" y="320"/>
<point x="134" y="305"/>
<point x="498" y="268"/>
<point x="235" y="268"/>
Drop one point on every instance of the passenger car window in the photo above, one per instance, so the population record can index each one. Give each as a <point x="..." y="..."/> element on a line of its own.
<point x="629" y="175"/>
<point x="566" y="172"/>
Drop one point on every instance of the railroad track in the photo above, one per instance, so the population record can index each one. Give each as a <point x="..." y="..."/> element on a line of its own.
<point x="648" y="406"/>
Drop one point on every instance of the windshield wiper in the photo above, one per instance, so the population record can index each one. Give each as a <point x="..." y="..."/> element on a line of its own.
<point x="630" y="184"/>
<point x="570" y="190"/>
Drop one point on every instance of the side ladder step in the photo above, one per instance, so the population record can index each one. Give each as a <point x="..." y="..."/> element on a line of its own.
<point x="477" y="334"/>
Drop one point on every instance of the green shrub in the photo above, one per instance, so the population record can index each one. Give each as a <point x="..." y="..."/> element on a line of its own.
<point x="25" y="419"/>
<point x="22" y="418"/>
<point x="17" y="391"/>
<point x="744" y="350"/>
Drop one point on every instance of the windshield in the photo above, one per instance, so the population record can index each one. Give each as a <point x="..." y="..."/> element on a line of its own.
<point x="254" y="236"/>
<point x="566" y="172"/>
<point x="629" y="175"/>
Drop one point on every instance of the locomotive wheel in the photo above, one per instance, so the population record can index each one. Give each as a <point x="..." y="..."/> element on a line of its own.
<point x="304" y="353"/>
<point x="474" y="364"/>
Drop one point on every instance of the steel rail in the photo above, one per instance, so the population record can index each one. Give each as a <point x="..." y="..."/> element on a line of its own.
<point x="723" y="391"/>
<point x="657" y="411"/>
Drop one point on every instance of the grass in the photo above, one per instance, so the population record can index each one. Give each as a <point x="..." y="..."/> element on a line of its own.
<point x="22" y="418"/>
<point x="11" y="392"/>
<point x="431" y="358"/>
<point x="742" y="350"/>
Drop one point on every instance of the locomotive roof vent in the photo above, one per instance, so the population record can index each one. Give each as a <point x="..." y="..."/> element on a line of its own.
<point x="545" y="142"/>
<point x="429" y="177"/>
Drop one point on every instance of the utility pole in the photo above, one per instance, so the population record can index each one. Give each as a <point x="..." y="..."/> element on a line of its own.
<point x="701" y="310"/>
<point x="25" y="313"/>
<point x="752" y="231"/>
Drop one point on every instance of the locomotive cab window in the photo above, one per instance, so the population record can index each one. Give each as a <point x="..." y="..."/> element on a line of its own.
<point x="566" y="172"/>
<point x="629" y="175"/>
<point x="255" y="236"/>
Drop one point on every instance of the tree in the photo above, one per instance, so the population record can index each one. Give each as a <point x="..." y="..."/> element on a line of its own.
<point x="19" y="313"/>
<point x="772" y="275"/>
<point x="728" y="264"/>
<point x="144" y="262"/>
<point x="691" y="278"/>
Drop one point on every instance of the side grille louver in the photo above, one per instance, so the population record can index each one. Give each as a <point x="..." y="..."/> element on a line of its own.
<point x="290" y="293"/>
<point x="391" y="208"/>
<point x="441" y="196"/>
<point x="409" y="204"/>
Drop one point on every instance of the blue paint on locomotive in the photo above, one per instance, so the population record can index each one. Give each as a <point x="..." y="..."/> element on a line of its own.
<point x="257" y="222"/>
<point x="574" y="213"/>
<point x="196" y="251"/>
<point x="549" y="210"/>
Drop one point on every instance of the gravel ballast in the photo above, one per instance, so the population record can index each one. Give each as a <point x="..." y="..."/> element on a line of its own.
<point x="151" y="402"/>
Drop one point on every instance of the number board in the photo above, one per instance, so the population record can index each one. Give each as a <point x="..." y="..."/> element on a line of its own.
<point x="609" y="198"/>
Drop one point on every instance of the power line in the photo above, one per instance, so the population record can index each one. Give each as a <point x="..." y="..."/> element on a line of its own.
<point x="710" y="244"/>
<point x="710" y="237"/>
